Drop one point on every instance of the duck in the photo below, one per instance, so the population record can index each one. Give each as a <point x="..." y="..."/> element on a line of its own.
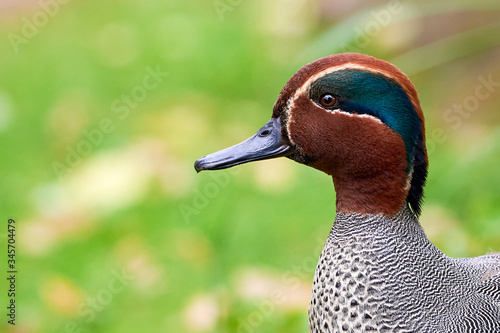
<point x="359" y="120"/>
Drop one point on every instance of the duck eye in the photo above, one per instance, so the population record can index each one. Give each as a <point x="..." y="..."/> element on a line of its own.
<point x="327" y="100"/>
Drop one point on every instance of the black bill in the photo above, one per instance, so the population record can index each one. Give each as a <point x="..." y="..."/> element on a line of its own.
<point x="266" y="143"/>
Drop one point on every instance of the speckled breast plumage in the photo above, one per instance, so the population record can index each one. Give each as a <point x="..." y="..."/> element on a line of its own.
<point x="380" y="274"/>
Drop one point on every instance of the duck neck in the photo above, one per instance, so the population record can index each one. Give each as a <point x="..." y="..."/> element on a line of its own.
<point x="400" y="226"/>
<point x="383" y="193"/>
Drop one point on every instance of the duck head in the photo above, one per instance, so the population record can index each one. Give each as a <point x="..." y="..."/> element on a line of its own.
<point x="354" y="117"/>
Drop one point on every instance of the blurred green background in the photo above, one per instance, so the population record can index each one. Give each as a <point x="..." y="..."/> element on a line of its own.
<point x="105" y="106"/>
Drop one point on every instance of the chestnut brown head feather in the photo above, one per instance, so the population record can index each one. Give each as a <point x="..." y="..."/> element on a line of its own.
<point x="371" y="140"/>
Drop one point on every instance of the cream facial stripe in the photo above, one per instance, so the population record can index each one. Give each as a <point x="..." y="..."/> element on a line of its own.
<point x="330" y="70"/>
<point x="305" y="88"/>
<point x="361" y="115"/>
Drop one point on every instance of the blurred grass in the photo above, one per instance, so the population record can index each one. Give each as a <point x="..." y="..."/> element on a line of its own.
<point x="121" y="208"/>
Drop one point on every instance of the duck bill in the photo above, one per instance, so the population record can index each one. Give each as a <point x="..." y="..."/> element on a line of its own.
<point x="265" y="144"/>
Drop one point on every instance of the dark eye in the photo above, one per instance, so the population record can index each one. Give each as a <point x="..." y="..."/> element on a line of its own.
<point x="327" y="100"/>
